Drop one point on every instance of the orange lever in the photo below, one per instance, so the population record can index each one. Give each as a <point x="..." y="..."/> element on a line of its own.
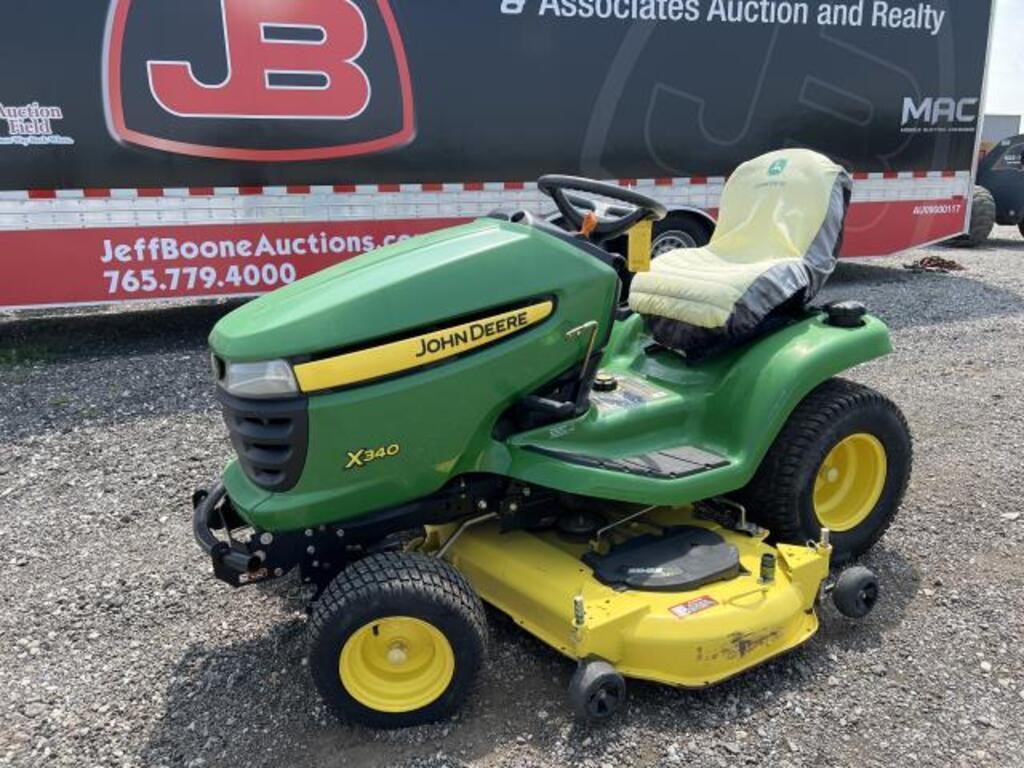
<point x="590" y="222"/>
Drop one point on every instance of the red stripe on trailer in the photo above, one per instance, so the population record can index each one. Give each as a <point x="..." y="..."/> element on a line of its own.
<point x="474" y="186"/>
<point x="627" y="182"/>
<point x="298" y="189"/>
<point x="432" y="186"/>
<point x="201" y="191"/>
<point x="860" y="175"/>
<point x="698" y="180"/>
<point x="71" y="279"/>
<point x="890" y="174"/>
<point x="96" y="193"/>
<point x="920" y="174"/>
<point x="886" y="227"/>
<point x="949" y="174"/>
<point x="249" y="191"/>
<point x="150" y="192"/>
<point x="345" y="188"/>
<point x="42" y="194"/>
<point x="663" y="182"/>
<point x="389" y="187"/>
<point x="514" y="185"/>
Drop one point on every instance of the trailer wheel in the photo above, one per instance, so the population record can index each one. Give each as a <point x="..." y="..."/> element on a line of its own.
<point x="983" y="219"/>
<point x="842" y="461"/>
<point x="396" y="640"/>
<point x="678" y="231"/>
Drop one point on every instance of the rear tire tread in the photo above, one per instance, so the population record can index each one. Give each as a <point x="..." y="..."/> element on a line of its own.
<point x="771" y="491"/>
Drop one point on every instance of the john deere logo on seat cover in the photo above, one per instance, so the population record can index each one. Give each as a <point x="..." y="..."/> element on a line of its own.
<point x="778" y="167"/>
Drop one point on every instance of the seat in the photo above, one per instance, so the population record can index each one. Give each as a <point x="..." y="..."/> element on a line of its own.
<point x="779" y="233"/>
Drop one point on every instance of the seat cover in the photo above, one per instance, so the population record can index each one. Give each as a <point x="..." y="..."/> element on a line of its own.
<point x="778" y="236"/>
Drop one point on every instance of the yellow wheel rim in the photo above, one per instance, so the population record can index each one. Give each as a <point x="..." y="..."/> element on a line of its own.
<point x="396" y="664"/>
<point x="849" y="482"/>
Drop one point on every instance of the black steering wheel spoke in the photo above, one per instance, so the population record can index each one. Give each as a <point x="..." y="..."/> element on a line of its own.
<point x="611" y="222"/>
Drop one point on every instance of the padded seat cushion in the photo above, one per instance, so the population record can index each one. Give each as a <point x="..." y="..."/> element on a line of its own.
<point x="777" y="241"/>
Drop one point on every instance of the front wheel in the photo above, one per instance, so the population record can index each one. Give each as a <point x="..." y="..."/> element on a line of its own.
<point x="842" y="461"/>
<point x="396" y="641"/>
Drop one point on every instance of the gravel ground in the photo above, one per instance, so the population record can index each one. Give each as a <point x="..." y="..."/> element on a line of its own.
<point x="118" y="648"/>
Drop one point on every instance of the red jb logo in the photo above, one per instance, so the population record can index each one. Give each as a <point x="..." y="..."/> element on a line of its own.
<point x="305" y="71"/>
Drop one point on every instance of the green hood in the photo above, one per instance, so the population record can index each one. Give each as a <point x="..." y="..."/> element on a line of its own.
<point x="413" y="284"/>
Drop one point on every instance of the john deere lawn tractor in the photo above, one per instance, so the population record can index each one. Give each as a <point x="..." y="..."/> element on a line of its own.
<point x="656" y="485"/>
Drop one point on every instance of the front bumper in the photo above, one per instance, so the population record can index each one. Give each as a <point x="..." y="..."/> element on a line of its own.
<point x="234" y="562"/>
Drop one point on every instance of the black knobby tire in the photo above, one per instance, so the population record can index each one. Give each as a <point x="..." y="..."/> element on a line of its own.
<point x="983" y="219"/>
<point x="389" y="585"/>
<point x="780" y="497"/>
<point x="856" y="592"/>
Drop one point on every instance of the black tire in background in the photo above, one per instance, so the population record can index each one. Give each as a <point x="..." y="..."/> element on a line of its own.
<point x="396" y="586"/>
<point x="983" y="219"/>
<point x="781" y="495"/>
<point x="679" y="231"/>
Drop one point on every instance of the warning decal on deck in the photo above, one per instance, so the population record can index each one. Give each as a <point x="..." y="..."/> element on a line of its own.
<point x="691" y="607"/>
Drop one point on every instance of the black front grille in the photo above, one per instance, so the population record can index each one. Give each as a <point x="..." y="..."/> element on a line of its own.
<point x="270" y="438"/>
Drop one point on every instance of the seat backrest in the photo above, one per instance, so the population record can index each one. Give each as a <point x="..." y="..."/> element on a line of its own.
<point x="786" y="204"/>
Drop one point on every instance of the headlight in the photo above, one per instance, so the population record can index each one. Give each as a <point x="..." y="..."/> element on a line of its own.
<point x="273" y="378"/>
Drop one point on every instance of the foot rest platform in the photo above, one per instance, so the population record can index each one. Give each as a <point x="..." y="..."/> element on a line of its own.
<point x="668" y="464"/>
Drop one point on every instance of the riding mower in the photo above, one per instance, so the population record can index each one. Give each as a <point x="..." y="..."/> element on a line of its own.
<point x="656" y="487"/>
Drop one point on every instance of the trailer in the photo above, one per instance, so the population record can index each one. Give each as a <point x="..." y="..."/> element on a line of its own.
<point x="152" y="150"/>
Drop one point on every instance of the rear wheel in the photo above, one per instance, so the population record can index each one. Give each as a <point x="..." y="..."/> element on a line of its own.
<point x="396" y="640"/>
<point x="842" y="462"/>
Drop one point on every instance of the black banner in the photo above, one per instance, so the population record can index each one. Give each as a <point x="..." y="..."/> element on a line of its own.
<point x="151" y="93"/>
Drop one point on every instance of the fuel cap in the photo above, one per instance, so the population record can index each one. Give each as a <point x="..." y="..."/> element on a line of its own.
<point x="605" y="382"/>
<point x="846" y="314"/>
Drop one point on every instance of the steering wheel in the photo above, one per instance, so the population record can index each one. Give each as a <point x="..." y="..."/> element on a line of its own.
<point x="642" y="208"/>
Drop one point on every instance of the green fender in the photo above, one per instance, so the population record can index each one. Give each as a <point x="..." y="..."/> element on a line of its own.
<point x="733" y="405"/>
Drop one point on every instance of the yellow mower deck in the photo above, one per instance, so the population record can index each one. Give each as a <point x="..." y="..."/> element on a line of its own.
<point x="690" y="639"/>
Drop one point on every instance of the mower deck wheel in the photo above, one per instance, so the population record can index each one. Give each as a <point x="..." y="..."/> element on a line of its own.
<point x="597" y="691"/>
<point x="396" y="640"/>
<point x="856" y="592"/>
